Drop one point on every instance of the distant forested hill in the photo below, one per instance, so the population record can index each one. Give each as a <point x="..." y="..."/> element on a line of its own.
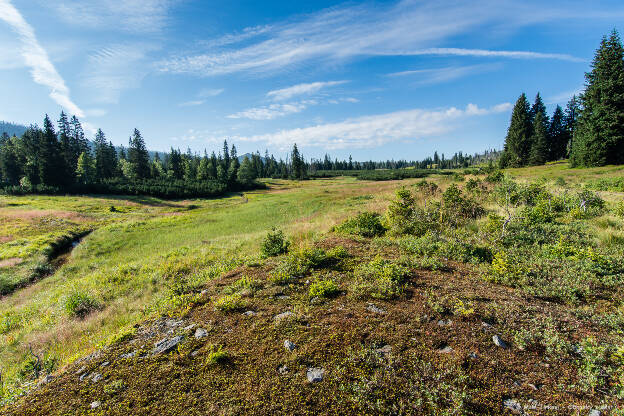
<point x="12" y="129"/>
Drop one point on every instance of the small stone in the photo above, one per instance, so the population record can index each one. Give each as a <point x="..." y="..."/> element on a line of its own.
<point x="128" y="355"/>
<point x="473" y="355"/>
<point x="46" y="380"/>
<point x="96" y="377"/>
<point x="385" y="350"/>
<point x="315" y="375"/>
<point x="445" y="350"/>
<point x="204" y="292"/>
<point x="315" y="300"/>
<point x="513" y="406"/>
<point x="95" y="404"/>
<point x="188" y="328"/>
<point x="83" y="376"/>
<point x="533" y="386"/>
<point x="307" y="282"/>
<point x="283" y="315"/>
<point x="105" y="364"/>
<point x="499" y="342"/>
<point x="594" y="412"/>
<point x="249" y="313"/>
<point x="166" y="345"/>
<point x="448" y="322"/>
<point x="81" y="370"/>
<point x="289" y="345"/>
<point x="283" y="369"/>
<point x="194" y="353"/>
<point x="283" y="297"/>
<point x="200" y="333"/>
<point x="374" y="309"/>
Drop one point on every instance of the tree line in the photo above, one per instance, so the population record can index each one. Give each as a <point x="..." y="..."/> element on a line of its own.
<point x="590" y="131"/>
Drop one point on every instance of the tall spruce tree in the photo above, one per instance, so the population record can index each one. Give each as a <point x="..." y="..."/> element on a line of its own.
<point x="539" y="141"/>
<point x="558" y="135"/>
<point x="105" y="157"/>
<point x="599" y="134"/>
<point x="68" y="150"/>
<point x="518" y="141"/>
<point x="138" y="156"/>
<point x="51" y="163"/>
<point x="538" y="106"/>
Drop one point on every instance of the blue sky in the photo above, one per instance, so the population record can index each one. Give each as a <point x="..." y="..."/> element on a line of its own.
<point x="378" y="80"/>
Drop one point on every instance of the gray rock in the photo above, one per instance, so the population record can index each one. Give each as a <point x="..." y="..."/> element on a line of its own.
<point x="284" y="315"/>
<point x="448" y="322"/>
<point x="46" y="380"/>
<point x="289" y="345"/>
<point x="315" y="374"/>
<point x="513" y="406"/>
<point x="96" y="377"/>
<point x="95" y="404"/>
<point x="473" y="355"/>
<point x="105" y="364"/>
<point x="81" y="370"/>
<point x="166" y="345"/>
<point x="249" y="313"/>
<point x="283" y="369"/>
<point x="204" y="292"/>
<point x="283" y="297"/>
<point x="83" y="376"/>
<point x="315" y="300"/>
<point x="374" y="309"/>
<point x="594" y="412"/>
<point x="499" y="342"/>
<point x="200" y="333"/>
<point x="188" y="328"/>
<point x="384" y="351"/>
<point x="445" y="350"/>
<point x="128" y="355"/>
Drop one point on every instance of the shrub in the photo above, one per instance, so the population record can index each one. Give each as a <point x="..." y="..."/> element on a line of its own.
<point x="457" y="207"/>
<point x="79" y="304"/>
<point x="366" y="224"/>
<point x="618" y="210"/>
<point x="245" y="286"/>
<point x="495" y="177"/>
<point x="217" y="356"/>
<point x="230" y="303"/>
<point x="379" y="279"/>
<point x="427" y="188"/>
<point x="274" y="244"/>
<point x="324" y="289"/>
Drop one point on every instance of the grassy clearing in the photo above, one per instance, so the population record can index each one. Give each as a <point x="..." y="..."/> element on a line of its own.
<point x="452" y="262"/>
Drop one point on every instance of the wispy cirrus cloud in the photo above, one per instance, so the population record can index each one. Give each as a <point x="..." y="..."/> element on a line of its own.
<point x="273" y="111"/>
<point x="36" y="58"/>
<point x="438" y="75"/>
<point x="369" y="131"/>
<point x="132" y="16"/>
<point x="301" y="89"/>
<point x="111" y="70"/>
<point x="336" y="35"/>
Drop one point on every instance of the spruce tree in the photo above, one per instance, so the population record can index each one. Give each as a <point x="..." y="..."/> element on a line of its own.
<point x="105" y="157"/>
<point x="67" y="149"/>
<point x="537" y="107"/>
<point x="599" y="135"/>
<point x="226" y="156"/>
<point x="558" y="135"/>
<point x="51" y="166"/>
<point x="85" y="170"/>
<point x="571" y="114"/>
<point x="246" y="174"/>
<point x="539" y="147"/>
<point x="138" y="156"/>
<point x="518" y="141"/>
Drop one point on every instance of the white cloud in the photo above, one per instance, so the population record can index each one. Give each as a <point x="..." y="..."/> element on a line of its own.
<point x="376" y="130"/>
<point x="335" y="35"/>
<point x="210" y="92"/>
<point x="36" y="58"/>
<point x="133" y="16"/>
<point x="564" y="97"/>
<point x="438" y="75"/>
<point x="301" y="89"/>
<point x="191" y="103"/>
<point x="111" y="70"/>
<point x="273" y="111"/>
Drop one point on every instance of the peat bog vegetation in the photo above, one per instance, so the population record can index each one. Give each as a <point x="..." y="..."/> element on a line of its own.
<point x="480" y="292"/>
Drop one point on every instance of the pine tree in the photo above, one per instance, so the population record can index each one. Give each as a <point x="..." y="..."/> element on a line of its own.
<point x="138" y="156"/>
<point x="105" y="157"/>
<point x="175" y="164"/>
<point x="203" y="172"/>
<point x="51" y="166"/>
<point x="298" y="168"/>
<point x="234" y="166"/>
<point x="599" y="134"/>
<point x="226" y="156"/>
<point x="537" y="107"/>
<point x="68" y="150"/>
<point x="558" y="135"/>
<point x="10" y="167"/>
<point x="518" y="141"/>
<point x="572" y="112"/>
<point x="80" y="142"/>
<point x="539" y="148"/>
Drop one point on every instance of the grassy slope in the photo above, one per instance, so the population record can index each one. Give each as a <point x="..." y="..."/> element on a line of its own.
<point x="124" y="265"/>
<point x="129" y="270"/>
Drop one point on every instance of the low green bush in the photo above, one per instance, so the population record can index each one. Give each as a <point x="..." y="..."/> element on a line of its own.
<point x="230" y="303"/>
<point x="80" y="304"/>
<point x="365" y="224"/>
<point x="379" y="279"/>
<point x="274" y="244"/>
<point x="326" y="288"/>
